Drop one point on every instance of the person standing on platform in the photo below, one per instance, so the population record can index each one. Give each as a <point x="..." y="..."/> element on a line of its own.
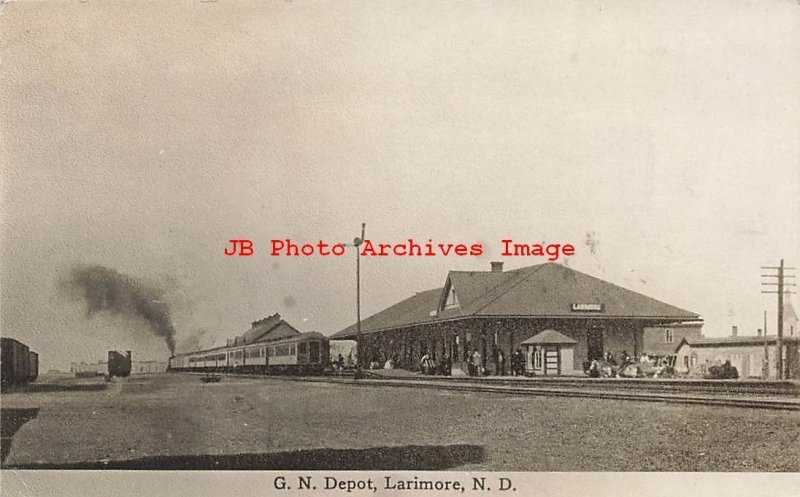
<point x="519" y="363"/>
<point x="501" y="364"/>
<point x="425" y="362"/>
<point x="476" y="363"/>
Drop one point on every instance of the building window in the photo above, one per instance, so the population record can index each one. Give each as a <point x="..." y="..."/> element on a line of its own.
<point x="668" y="336"/>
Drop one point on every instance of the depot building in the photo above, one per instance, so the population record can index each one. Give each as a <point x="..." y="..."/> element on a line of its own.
<point x="558" y="317"/>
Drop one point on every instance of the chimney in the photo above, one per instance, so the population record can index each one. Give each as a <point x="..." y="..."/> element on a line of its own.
<point x="734" y="331"/>
<point x="128" y="353"/>
<point x="759" y="332"/>
<point x="497" y="267"/>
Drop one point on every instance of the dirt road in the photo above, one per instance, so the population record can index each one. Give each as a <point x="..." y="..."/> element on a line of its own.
<point x="174" y="421"/>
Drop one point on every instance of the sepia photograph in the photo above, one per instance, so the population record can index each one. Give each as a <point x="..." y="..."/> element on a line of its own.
<point x="351" y="248"/>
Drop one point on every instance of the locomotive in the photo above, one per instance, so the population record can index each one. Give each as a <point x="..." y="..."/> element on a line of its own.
<point x="303" y="353"/>
<point x="19" y="364"/>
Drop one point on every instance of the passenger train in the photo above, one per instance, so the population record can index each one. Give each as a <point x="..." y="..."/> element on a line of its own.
<point x="305" y="353"/>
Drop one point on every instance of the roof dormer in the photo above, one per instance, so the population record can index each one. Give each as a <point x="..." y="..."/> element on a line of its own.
<point x="449" y="299"/>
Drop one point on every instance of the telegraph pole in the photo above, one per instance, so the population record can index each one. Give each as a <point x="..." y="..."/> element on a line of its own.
<point x="765" y="368"/>
<point x="780" y="322"/>
<point x="357" y="243"/>
<point x="359" y="345"/>
<point x="780" y="292"/>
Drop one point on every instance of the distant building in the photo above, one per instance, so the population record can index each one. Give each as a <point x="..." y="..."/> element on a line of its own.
<point x="660" y="341"/>
<point x="100" y="368"/>
<point x="89" y="368"/>
<point x="146" y="367"/>
<point x="790" y="319"/>
<point x="747" y="354"/>
<point x="269" y="328"/>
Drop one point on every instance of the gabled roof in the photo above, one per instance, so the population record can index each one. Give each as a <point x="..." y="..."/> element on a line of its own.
<point x="471" y="285"/>
<point x="413" y="310"/>
<point x="542" y="291"/>
<point x="549" y="290"/>
<point x="549" y="337"/>
<point x="269" y="328"/>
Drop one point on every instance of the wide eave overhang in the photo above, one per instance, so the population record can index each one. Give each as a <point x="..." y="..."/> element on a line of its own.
<point x="351" y="335"/>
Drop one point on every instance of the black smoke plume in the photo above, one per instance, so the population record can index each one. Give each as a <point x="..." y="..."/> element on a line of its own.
<point x="106" y="290"/>
<point x="200" y="339"/>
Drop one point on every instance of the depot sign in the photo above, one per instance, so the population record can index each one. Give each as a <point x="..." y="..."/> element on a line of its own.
<point x="587" y="307"/>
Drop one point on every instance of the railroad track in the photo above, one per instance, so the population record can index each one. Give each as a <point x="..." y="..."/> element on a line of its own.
<point x="731" y="387"/>
<point x="758" y="395"/>
<point x="588" y="391"/>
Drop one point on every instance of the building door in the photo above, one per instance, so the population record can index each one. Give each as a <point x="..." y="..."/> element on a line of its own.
<point x="594" y="342"/>
<point x="552" y="360"/>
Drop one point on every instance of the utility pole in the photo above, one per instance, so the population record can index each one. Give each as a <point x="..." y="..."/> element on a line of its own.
<point x="359" y="345"/>
<point x="357" y="243"/>
<point x="765" y="367"/>
<point x="780" y="292"/>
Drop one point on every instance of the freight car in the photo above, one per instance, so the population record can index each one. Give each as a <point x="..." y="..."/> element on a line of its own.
<point x="33" y="366"/>
<point x="118" y="364"/>
<point x="306" y="353"/>
<point x="19" y="365"/>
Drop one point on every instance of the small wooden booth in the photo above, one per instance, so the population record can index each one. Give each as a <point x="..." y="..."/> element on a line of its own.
<point x="550" y="353"/>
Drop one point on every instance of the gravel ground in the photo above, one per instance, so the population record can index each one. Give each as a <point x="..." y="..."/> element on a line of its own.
<point x="178" y="422"/>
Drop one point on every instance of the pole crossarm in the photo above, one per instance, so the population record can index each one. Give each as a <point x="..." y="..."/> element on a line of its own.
<point x="780" y="291"/>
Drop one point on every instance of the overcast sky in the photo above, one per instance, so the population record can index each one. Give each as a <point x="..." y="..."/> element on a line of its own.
<point x="142" y="136"/>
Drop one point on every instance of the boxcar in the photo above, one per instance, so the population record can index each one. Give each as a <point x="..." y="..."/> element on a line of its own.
<point x="118" y="364"/>
<point x="33" y="366"/>
<point x="14" y="362"/>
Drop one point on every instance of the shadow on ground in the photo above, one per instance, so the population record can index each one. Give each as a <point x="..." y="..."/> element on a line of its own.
<point x="11" y="420"/>
<point x="409" y="457"/>
<point x="57" y="387"/>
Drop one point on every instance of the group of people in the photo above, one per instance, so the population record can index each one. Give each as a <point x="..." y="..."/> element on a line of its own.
<point x="476" y="366"/>
<point x="610" y="366"/>
<point x="595" y="368"/>
<point x="430" y="366"/>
